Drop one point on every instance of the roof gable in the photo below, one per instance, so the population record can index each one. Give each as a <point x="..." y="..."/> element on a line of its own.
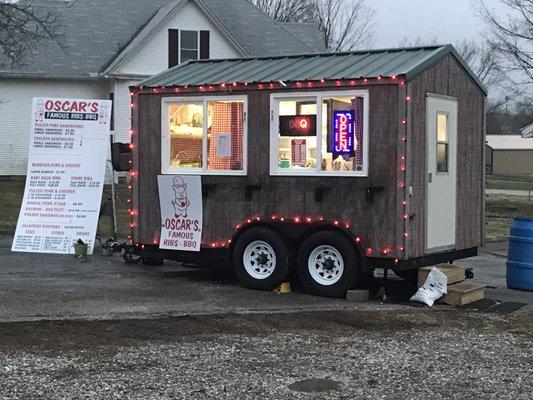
<point x="96" y="35"/>
<point x="162" y="16"/>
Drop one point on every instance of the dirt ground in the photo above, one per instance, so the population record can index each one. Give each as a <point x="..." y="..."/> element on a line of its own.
<point x="110" y="330"/>
<point x="391" y="354"/>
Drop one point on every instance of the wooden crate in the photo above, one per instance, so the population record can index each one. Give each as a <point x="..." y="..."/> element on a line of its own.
<point x="454" y="273"/>
<point x="463" y="293"/>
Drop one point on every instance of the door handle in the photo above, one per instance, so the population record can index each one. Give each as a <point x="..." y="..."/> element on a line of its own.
<point x="430" y="177"/>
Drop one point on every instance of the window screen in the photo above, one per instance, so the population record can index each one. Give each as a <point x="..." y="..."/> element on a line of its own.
<point x="225" y="135"/>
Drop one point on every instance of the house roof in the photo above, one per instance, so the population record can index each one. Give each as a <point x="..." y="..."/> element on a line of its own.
<point x="92" y="34"/>
<point x="509" y="142"/>
<point x="527" y="130"/>
<point x="369" y="63"/>
<point x="307" y="33"/>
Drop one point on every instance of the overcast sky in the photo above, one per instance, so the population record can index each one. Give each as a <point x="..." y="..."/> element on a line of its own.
<point x="449" y="21"/>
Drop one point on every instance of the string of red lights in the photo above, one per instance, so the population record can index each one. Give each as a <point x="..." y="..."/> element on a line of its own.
<point x="369" y="251"/>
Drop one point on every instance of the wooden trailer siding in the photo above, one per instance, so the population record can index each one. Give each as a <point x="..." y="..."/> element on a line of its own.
<point x="225" y="205"/>
<point x="448" y="78"/>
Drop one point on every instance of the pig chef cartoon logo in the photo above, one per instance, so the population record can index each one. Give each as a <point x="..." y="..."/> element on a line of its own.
<point x="180" y="202"/>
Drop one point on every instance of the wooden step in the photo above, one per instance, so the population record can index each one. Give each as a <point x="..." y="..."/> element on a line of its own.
<point x="454" y="273"/>
<point x="463" y="293"/>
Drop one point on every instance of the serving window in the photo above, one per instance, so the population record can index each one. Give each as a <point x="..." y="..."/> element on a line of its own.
<point x="319" y="134"/>
<point x="204" y="135"/>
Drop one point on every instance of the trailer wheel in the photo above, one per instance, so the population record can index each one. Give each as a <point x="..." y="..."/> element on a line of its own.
<point x="327" y="264"/>
<point x="261" y="259"/>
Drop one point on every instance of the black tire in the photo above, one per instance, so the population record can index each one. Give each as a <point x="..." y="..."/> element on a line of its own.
<point x="130" y="257"/>
<point x="281" y="265"/>
<point x="350" y="259"/>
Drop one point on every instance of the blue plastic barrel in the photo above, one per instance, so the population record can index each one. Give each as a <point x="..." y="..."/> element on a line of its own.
<point x="520" y="256"/>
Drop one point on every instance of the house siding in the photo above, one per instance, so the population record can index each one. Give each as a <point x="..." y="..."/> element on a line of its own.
<point x="16" y="96"/>
<point x="122" y="111"/>
<point x="152" y="57"/>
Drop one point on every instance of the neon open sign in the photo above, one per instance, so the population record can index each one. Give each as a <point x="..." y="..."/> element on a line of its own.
<point x="343" y="137"/>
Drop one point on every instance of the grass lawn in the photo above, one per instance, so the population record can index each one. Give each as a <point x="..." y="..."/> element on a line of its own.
<point x="11" y="199"/>
<point x="508" y="183"/>
<point x="500" y="210"/>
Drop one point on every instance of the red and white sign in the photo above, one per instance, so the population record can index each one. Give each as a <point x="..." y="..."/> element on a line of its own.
<point x="69" y="144"/>
<point x="180" y="199"/>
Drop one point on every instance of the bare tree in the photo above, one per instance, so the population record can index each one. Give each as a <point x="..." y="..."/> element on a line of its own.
<point x="20" y="27"/>
<point x="483" y="59"/>
<point x="418" y="42"/>
<point x="344" y="24"/>
<point x="286" y="10"/>
<point x="511" y="34"/>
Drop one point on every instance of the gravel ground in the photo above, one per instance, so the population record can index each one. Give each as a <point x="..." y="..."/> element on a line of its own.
<point x="387" y="354"/>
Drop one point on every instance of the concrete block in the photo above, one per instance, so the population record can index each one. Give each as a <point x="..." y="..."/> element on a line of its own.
<point x="357" y="295"/>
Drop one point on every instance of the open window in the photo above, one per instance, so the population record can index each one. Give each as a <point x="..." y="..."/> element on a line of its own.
<point x="319" y="134"/>
<point x="204" y="135"/>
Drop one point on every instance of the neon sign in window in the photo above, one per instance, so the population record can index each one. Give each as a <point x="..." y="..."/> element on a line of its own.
<point x="343" y="132"/>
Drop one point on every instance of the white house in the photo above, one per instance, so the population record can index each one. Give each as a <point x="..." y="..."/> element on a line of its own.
<point x="104" y="46"/>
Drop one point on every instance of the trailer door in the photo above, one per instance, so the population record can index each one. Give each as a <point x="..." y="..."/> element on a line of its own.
<point x="441" y="201"/>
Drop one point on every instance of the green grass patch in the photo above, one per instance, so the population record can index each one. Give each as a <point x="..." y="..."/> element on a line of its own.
<point x="508" y="183"/>
<point x="11" y="200"/>
<point x="12" y="192"/>
<point x="500" y="212"/>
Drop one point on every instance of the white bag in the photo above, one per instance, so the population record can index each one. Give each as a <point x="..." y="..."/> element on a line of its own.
<point x="433" y="288"/>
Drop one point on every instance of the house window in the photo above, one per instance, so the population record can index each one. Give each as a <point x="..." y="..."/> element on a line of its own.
<point x="189" y="48"/>
<point x="204" y="135"/>
<point x="319" y="134"/>
<point x="442" y="143"/>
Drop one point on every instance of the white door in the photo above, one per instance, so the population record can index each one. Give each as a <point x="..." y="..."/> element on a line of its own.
<point x="441" y="134"/>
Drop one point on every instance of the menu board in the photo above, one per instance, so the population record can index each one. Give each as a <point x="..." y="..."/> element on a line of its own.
<point x="299" y="152"/>
<point x="66" y="170"/>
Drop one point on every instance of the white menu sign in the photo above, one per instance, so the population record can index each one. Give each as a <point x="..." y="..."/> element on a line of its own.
<point x="180" y="199"/>
<point x="66" y="171"/>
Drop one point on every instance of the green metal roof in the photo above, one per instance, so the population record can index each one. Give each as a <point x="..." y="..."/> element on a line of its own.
<point x="361" y="64"/>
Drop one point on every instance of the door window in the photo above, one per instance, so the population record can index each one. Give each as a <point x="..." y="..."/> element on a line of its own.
<point x="442" y="143"/>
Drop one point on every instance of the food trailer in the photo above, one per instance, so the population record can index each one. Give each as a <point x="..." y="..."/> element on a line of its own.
<point x="321" y="166"/>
